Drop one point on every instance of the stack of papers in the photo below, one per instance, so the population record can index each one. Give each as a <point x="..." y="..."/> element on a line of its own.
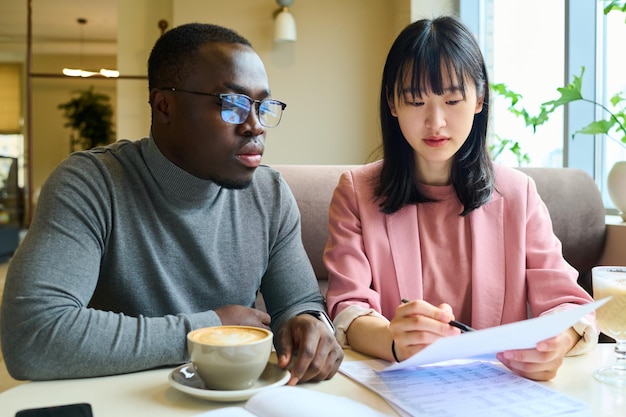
<point x="288" y="401"/>
<point x="459" y="376"/>
<point x="454" y="388"/>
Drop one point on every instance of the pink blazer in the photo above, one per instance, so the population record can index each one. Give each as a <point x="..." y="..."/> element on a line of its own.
<point x="373" y="258"/>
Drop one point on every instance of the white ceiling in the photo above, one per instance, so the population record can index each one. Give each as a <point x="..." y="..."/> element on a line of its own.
<point x="54" y="22"/>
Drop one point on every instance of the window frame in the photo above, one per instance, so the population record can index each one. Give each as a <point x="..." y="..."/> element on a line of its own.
<point x="584" y="20"/>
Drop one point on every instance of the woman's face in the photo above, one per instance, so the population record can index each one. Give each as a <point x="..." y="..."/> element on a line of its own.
<point x="436" y="126"/>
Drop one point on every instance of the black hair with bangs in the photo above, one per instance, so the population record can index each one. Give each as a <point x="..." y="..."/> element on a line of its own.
<point x="426" y="52"/>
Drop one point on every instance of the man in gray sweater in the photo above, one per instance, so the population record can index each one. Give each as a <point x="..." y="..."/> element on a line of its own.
<point x="137" y="243"/>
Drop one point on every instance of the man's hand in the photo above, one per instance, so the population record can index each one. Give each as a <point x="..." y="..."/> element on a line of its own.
<point x="307" y="342"/>
<point x="243" y="316"/>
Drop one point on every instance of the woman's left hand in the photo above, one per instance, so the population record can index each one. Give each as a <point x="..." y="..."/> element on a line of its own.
<point x="542" y="362"/>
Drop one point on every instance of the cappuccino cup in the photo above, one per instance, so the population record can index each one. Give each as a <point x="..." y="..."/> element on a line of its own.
<point x="229" y="357"/>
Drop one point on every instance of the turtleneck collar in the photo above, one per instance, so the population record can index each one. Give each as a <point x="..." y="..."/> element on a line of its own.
<point x="173" y="180"/>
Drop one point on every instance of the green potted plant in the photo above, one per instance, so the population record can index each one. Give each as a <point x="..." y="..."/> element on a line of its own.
<point x="615" y="120"/>
<point x="90" y="116"/>
<point x="501" y="144"/>
<point x="612" y="125"/>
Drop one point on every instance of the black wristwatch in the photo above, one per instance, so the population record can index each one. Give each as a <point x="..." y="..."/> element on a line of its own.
<point x="321" y="316"/>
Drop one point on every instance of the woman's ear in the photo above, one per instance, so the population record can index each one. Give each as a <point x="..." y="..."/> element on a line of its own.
<point x="159" y="102"/>
<point x="479" y="104"/>
<point x="391" y="102"/>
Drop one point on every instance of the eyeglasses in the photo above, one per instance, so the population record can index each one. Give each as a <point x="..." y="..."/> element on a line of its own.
<point x="236" y="107"/>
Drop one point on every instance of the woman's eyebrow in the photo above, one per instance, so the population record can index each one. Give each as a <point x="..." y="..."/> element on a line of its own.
<point x="451" y="89"/>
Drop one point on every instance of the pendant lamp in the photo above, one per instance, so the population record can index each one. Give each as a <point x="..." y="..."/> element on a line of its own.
<point x="79" y="72"/>
<point x="284" y="23"/>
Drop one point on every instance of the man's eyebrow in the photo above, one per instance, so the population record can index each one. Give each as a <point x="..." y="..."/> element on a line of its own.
<point x="243" y="90"/>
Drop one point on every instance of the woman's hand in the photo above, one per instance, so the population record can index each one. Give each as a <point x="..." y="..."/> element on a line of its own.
<point x="542" y="362"/>
<point x="417" y="324"/>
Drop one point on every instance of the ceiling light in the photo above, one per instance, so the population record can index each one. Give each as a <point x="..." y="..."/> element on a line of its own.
<point x="79" y="72"/>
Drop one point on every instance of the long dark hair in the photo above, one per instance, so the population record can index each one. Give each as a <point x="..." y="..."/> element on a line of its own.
<point x="426" y="52"/>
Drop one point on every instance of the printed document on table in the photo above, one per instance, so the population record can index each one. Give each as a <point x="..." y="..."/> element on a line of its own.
<point x="462" y="388"/>
<point x="519" y="335"/>
<point x="288" y="401"/>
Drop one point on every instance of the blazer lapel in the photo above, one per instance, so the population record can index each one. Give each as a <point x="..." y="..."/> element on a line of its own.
<point x="488" y="263"/>
<point x="405" y="250"/>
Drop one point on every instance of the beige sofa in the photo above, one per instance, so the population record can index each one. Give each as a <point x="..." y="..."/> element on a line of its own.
<point x="571" y="195"/>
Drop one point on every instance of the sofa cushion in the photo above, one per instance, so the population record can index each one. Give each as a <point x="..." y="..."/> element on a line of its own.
<point x="313" y="186"/>
<point x="571" y="195"/>
<point x="578" y="216"/>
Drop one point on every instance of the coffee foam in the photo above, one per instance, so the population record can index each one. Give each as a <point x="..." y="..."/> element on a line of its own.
<point x="228" y="336"/>
<point x="617" y="285"/>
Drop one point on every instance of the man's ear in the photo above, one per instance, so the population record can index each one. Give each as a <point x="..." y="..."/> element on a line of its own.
<point x="159" y="102"/>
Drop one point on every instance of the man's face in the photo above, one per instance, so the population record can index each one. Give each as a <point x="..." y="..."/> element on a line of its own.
<point x="188" y="128"/>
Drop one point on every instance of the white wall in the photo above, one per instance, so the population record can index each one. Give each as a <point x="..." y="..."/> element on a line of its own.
<point x="137" y="31"/>
<point x="330" y="77"/>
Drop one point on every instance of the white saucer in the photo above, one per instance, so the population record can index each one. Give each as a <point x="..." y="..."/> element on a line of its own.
<point x="185" y="380"/>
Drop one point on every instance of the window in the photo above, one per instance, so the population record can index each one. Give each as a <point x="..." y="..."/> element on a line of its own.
<point x="536" y="46"/>
<point x="530" y="63"/>
<point x="10" y="98"/>
<point x="11" y="138"/>
<point x="614" y="81"/>
<point x="13" y="146"/>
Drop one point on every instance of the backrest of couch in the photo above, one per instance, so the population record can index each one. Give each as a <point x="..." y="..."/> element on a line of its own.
<point x="313" y="186"/>
<point x="571" y="195"/>
<point x="577" y="213"/>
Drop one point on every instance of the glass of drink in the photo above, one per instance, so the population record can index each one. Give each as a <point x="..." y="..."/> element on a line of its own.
<point x="610" y="281"/>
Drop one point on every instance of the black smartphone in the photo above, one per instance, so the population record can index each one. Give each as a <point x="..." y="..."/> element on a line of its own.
<point x="68" y="410"/>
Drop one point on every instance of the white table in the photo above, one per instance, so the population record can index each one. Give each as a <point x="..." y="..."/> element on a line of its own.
<point x="149" y="393"/>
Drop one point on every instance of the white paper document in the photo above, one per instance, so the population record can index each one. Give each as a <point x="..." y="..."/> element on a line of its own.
<point x="288" y="401"/>
<point x="520" y="335"/>
<point x="462" y="388"/>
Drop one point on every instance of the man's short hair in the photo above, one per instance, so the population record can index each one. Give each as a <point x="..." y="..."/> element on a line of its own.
<point x="174" y="52"/>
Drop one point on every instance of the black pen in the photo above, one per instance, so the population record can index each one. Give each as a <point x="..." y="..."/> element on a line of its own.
<point x="463" y="327"/>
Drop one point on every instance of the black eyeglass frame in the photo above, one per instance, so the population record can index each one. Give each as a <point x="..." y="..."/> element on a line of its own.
<point x="250" y="100"/>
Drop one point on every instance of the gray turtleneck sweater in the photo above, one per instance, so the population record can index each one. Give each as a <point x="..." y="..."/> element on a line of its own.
<point x="127" y="253"/>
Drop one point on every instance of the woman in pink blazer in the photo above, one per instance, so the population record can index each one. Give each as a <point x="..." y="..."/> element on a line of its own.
<point x="437" y="223"/>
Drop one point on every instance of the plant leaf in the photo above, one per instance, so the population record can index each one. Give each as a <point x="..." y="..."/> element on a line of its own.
<point x="597" y="127"/>
<point x="616" y="99"/>
<point x="571" y="92"/>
